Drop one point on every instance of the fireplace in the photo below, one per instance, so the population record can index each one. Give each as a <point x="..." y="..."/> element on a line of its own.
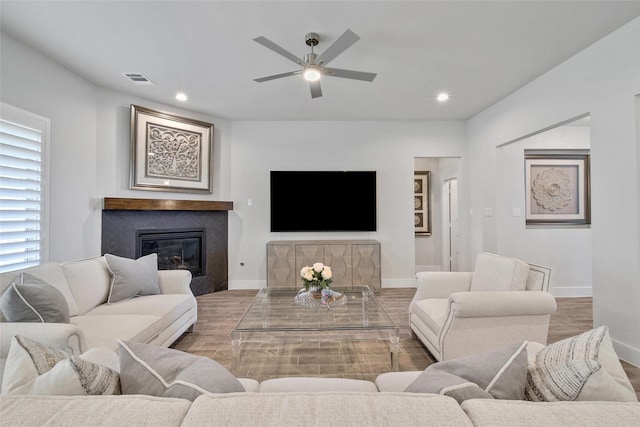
<point x="177" y="249"/>
<point x="176" y="226"/>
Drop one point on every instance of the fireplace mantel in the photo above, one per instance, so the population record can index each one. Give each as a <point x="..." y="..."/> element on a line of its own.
<point x="129" y="204"/>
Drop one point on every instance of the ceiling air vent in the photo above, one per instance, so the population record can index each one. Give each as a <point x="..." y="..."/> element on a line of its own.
<point x="138" y="79"/>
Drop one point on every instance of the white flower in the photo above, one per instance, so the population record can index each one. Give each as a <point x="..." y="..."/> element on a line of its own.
<point x="308" y="275"/>
<point x="318" y="266"/>
<point x="304" y="271"/>
<point x="326" y="273"/>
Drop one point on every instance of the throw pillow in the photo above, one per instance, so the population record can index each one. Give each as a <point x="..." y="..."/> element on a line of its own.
<point x="34" y="368"/>
<point x="130" y="278"/>
<point x="30" y="299"/>
<point x="497" y="374"/>
<point x="159" y="371"/>
<point x="584" y="367"/>
<point x="497" y="273"/>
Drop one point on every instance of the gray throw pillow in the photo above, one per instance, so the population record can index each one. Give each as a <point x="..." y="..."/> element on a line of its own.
<point x="496" y="374"/>
<point x="130" y="277"/>
<point x="30" y="299"/>
<point x="165" y="372"/>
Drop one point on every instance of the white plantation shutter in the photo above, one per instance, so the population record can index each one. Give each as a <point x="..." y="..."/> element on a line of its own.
<point x="23" y="142"/>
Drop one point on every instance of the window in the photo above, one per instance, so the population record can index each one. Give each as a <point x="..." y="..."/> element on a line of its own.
<point x="23" y="188"/>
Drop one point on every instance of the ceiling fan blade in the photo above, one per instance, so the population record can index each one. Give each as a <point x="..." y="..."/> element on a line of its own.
<point x="343" y="43"/>
<point x="277" y="49"/>
<point x="349" y="74"/>
<point x="316" y="90"/>
<point x="277" y="76"/>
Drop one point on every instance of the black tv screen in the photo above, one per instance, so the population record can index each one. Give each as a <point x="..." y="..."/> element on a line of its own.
<point x="323" y="201"/>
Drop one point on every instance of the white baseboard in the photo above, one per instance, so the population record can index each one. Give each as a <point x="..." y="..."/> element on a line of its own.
<point x="568" y="292"/>
<point x="627" y="353"/>
<point x="428" y="268"/>
<point x="399" y="283"/>
<point x="235" y="285"/>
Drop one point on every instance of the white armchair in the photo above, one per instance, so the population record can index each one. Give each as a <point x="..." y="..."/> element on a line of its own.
<point x="505" y="300"/>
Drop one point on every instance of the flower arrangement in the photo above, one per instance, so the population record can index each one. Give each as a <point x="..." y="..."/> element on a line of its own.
<point x="317" y="276"/>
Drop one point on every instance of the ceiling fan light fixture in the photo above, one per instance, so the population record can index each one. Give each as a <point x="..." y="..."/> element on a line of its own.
<point x="312" y="74"/>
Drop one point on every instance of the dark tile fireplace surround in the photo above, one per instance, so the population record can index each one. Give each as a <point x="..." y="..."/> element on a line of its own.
<point x="122" y="218"/>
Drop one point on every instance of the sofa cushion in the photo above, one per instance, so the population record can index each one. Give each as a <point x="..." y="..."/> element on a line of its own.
<point x="50" y="272"/>
<point x="566" y="414"/>
<point x="325" y="408"/>
<point x="105" y="331"/>
<point x="499" y="374"/>
<point x="432" y="311"/>
<point x="171" y="305"/>
<point x="88" y="281"/>
<point x="30" y="299"/>
<point x="130" y="277"/>
<point x="497" y="273"/>
<point x="584" y="367"/>
<point x="64" y="411"/>
<point x="34" y="368"/>
<point x="165" y="372"/>
<point x="302" y="384"/>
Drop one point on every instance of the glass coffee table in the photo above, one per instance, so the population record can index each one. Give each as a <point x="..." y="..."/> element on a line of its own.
<point x="357" y="314"/>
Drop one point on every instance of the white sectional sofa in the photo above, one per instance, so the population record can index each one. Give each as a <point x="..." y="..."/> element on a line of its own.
<point x="303" y="402"/>
<point x="160" y="319"/>
<point x="153" y="319"/>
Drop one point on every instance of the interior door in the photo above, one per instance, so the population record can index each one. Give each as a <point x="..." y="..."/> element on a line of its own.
<point x="453" y="224"/>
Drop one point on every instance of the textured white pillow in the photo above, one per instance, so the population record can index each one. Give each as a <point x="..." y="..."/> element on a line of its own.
<point x="34" y="368"/>
<point x="584" y="367"/>
<point x="497" y="273"/>
<point x="130" y="278"/>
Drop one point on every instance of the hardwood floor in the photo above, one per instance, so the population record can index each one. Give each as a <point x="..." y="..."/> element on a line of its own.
<point x="219" y="312"/>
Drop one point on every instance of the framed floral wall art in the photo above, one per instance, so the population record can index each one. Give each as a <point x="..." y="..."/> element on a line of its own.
<point x="170" y="153"/>
<point x="557" y="187"/>
<point x="422" y="202"/>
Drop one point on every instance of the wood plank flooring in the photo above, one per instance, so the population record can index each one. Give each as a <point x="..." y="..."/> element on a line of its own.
<point x="219" y="312"/>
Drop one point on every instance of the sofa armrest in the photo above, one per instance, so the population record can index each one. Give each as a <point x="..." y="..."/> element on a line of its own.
<point x="174" y="282"/>
<point x="65" y="336"/>
<point x="502" y="303"/>
<point x="441" y="284"/>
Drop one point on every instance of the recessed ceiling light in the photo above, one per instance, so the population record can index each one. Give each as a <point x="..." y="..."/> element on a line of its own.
<point x="442" y="96"/>
<point x="181" y="96"/>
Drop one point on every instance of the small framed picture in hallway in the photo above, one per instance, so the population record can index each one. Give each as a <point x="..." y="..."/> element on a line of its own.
<point x="422" y="202"/>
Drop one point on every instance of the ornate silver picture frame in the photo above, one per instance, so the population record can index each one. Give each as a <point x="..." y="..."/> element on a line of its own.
<point x="422" y="202"/>
<point x="170" y="153"/>
<point x="557" y="187"/>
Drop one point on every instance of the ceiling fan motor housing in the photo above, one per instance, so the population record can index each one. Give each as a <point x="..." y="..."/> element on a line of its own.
<point x="312" y="39"/>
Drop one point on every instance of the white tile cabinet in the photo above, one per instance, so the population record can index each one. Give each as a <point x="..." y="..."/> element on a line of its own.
<point x="352" y="262"/>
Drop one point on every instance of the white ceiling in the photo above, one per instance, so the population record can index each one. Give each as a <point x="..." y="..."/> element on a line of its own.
<point x="479" y="51"/>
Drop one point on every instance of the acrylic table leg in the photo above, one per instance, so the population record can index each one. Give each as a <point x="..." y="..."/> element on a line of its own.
<point x="236" y="341"/>
<point x="394" y="341"/>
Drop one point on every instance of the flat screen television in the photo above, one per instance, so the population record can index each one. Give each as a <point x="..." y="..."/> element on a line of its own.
<point x="323" y="201"/>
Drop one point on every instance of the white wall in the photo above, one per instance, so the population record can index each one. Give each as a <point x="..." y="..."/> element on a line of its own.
<point x="90" y="160"/>
<point x="602" y="81"/>
<point x="388" y="148"/>
<point x="568" y="250"/>
<point x="32" y="82"/>
<point x="89" y="149"/>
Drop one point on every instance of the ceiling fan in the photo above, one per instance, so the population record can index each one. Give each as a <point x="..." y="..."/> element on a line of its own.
<point x="314" y="65"/>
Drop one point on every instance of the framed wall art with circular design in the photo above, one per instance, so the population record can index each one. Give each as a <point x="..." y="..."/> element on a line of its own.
<point x="557" y="187"/>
